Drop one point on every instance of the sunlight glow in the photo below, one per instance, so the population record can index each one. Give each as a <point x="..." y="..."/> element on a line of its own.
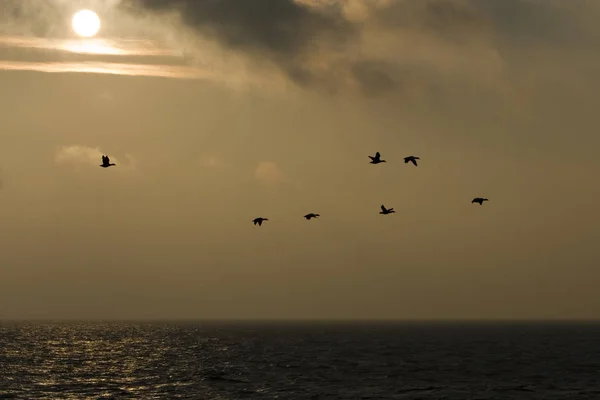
<point x="124" y="47"/>
<point x="86" y="23"/>
<point x="153" y="70"/>
<point x="92" y="46"/>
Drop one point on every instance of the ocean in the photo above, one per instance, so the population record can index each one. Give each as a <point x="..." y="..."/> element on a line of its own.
<point x="245" y="360"/>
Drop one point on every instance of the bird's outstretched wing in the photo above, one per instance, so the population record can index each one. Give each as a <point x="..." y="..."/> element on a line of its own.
<point x="104" y="161"/>
<point x="383" y="208"/>
<point x="377" y="155"/>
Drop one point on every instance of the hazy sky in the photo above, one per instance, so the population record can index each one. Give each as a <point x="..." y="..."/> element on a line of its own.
<point x="220" y="111"/>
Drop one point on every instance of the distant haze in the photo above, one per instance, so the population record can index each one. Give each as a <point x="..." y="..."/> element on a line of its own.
<point x="218" y="112"/>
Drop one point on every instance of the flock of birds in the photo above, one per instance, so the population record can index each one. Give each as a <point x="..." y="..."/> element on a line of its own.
<point x="374" y="160"/>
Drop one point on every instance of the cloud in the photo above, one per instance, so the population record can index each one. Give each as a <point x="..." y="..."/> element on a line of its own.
<point x="269" y="172"/>
<point x="92" y="156"/>
<point x="162" y="71"/>
<point x="78" y="155"/>
<point x="211" y="161"/>
<point x="274" y="26"/>
<point x="416" y="49"/>
<point x="34" y="46"/>
<point x="429" y="51"/>
<point x="105" y="96"/>
<point x="112" y="47"/>
<point x="372" y="47"/>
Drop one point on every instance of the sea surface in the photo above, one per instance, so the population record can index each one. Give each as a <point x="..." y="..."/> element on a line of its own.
<point x="299" y="361"/>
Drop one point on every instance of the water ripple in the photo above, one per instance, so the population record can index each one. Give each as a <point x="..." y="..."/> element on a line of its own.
<point x="191" y="361"/>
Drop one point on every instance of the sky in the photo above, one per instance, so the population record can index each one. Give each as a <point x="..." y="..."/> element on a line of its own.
<point x="220" y="111"/>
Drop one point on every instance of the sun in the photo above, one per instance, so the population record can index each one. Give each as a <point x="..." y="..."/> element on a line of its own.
<point x="86" y="23"/>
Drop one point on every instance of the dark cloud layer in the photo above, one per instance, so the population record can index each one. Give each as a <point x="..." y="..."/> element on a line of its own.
<point x="319" y="45"/>
<point x="282" y="31"/>
<point x="315" y="47"/>
<point x="279" y="27"/>
<point x="372" y="47"/>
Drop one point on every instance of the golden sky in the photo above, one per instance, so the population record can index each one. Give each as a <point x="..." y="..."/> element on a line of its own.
<point x="221" y="111"/>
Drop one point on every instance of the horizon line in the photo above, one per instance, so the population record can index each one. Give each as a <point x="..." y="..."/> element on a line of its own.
<point x="310" y="320"/>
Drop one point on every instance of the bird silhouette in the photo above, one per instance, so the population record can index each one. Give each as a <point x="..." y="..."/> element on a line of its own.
<point x="479" y="200"/>
<point x="411" y="159"/>
<point x="259" y="220"/>
<point x="386" y="210"/>
<point x="377" y="159"/>
<point x="311" y="215"/>
<point x="106" y="162"/>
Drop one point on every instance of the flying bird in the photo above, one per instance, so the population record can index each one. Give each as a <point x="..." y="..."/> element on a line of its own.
<point x="386" y="210"/>
<point x="259" y="220"/>
<point x="311" y="215"/>
<point x="411" y="159"/>
<point x="106" y="162"/>
<point x="377" y="159"/>
<point x="479" y="200"/>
